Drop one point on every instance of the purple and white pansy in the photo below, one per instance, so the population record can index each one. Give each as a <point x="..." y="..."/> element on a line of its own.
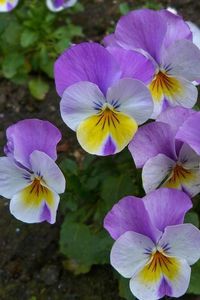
<point x="58" y="5"/>
<point x="168" y="41"/>
<point x="167" y="160"/>
<point x="103" y="99"/>
<point x="8" y="5"/>
<point x="29" y="175"/>
<point x="154" y="249"/>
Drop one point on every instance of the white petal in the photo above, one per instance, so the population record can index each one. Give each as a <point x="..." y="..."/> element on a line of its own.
<point x="156" y="171"/>
<point x="183" y="241"/>
<point x="187" y="95"/>
<point x="129" y="253"/>
<point x="156" y="288"/>
<point x="133" y="98"/>
<point x="195" y="33"/>
<point x="190" y="162"/>
<point x="43" y="165"/>
<point x="80" y="101"/>
<point x="182" y="58"/>
<point x="12" y="178"/>
<point x="28" y="211"/>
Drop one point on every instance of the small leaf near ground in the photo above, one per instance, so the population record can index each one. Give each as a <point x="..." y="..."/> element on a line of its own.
<point x="38" y="88"/>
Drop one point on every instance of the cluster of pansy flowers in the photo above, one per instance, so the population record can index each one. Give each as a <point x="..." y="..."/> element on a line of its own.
<point x="147" y="69"/>
<point x="53" y="5"/>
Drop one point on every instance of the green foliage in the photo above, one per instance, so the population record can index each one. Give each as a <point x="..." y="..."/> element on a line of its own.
<point x="38" y="88"/>
<point x="31" y="38"/>
<point x="194" y="287"/>
<point x="193" y="218"/>
<point x="124" y="8"/>
<point x="93" y="187"/>
<point x="124" y="290"/>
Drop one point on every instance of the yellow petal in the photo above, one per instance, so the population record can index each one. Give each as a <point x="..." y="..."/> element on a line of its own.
<point x="36" y="193"/>
<point x="164" y="85"/>
<point x="107" y="132"/>
<point x="160" y="265"/>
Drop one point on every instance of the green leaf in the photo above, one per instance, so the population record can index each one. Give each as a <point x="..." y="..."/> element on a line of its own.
<point x="69" y="166"/>
<point x="124" y="8"/>
<point x="38" y="88"/>
<point x="12" y="63"/>
<point x="12" y="33"/>
<point x="124" y="290"/>
<point x="28" y="38"/>
<point x="194" y="287"/>
<point x="192" y="218"/>
<point x="85" y="247"/>
<point x="116" y="187"/>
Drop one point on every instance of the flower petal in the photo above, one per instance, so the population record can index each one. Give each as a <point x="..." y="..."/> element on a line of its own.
<point x="34" y="208"/>
<point x="133" y="33"/>
<point x="44" y="166"/>
<point x="80" y="101"/>
<point x="171" y="91"/>
<point x="195" y="33"/>
<point x="132" y="98"/>
<point x="128" y="253"/>
<point x="183" y="241"/>
<point x="8" y="5"/>
<point x="190" y="162"/>
<point x="106" y="133"/>
<point x="133" y="64"/>
<point x="110" y="41"/>
<point x="177" y="29"/>
<point x="32" y="134"/>
<point x="150" y="140"/>
<point x="129" y="214"/>
<point x="186" y="64"/>
<point x="151" y="286"/>
<point x="189" y="132"/>
<point x="12" y="178"/>
<point x="162" y="201"/>
<point x="156" y="171"/>
<point x="58" y="5"/>
<point x="86" y="62"/>
<point x="175" y="117"/>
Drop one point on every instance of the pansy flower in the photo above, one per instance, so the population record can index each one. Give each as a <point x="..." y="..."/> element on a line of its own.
<point x="58" y="5"/>
<point x="99" y="102"/>
<point x="154" y="249"/>
<point x="167" y="161"/>
<point x="29" y="175"/>
<point x="7" y="5"/>
<point x="168" y="40"/>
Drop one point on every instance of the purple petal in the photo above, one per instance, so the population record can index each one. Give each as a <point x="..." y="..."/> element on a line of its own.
<point x="164" y="289"/>
<point x="109" y="147"/>
<point x="110" y="41"/>
<point x="167" y="207"/>
<point x="86" y="62"/>
<point x="177" y="29"/>
<point x="133" y="64"/>
<point x="150" y="140"/>
<point x="130" y="214"/>
<point x="189" y="132"/>
<point x="132" y="31"/>
<point x="32" y="134"/>
<point x="175" y="117"/>
<point x="46" y="214"/>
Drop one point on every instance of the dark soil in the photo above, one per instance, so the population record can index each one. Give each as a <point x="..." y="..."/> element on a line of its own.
<point x="31" y="267"/>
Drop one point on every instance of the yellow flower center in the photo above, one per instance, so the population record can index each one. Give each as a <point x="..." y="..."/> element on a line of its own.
<point x="37" y="192"/>
<point x="164" y="85"/>
<point x="178" y="176"/>
<point x="159" y="265"/>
